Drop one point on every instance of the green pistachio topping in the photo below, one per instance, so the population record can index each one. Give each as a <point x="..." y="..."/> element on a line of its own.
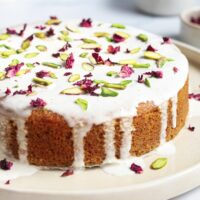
<point x="88" y="67"/>
<point x="64" y="32"/>
<point x="141" y="65"/>
<point x="18" y="51"/>
<point x="92" y="60"/>
<point x="31" y="55"/>
<point x="159" y="163"/>
<point x="72" y="29"/>
<point x="25" y="44"/>
<point x="89" y="41"/>
<point x="100" y="82"/>
<point x="142" y="37"/>
<point x="126" y="82"/>
<point x="161" y="62"/>
<point x="5" y="46"/>
<point x="14" y="62"/>
<point x="41" y="81"/>
<point x="2" y="75"/>
<point x="106" y="92"/>
<point x="41" y="47"/>
<point x="53" y="22"/>
<point x="6" y="54"/>
<point x="120" y="26"/>
<point x="82" y="103"/>
<point x="30" y="65"/>
<point x="112" y="73"/>
<point x="52" y="65"/>
<point x="83" y="55"/>
<point x="117" y="86"/>
<point x="101" y="34"/>
<point x="4" y="36"/>
<point x="40" y="35"/>
<point x="147" y="82"/>
<point x="152" y="55"/>
<point x="65" y="38"/>
<point x="22" y="72"/>
<point x="90" y="46"/>
<point x="127" y="62"/>
<point x="64" y="56"/>
<point x="134" y="51"/>
<point x="123" y="34"/>
<point x="72" y="91"/>
<point x="52" y="75"/>
<point x="73" y="78"/>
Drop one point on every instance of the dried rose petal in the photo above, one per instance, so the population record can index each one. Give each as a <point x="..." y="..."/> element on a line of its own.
<point x="117" y="38"/>
<point x="191" y="128"/>
<point x="195" y="20"/>
<point x="166" y="40"/>
<point x="67" y="73"/>
<point x="136" y="168"/>
<point x="38" y="103"/>
<point x="12" y="70"/>
<point x="97" y="58"/>
<point x="65" y="47"/>
<point x="5" y="165"/>
<point x="88" y="75"/>
<point x="113" y="50"/>
<point x="127" y="51"/>
<point x="14" y="32"/>
<point x="175" y="69"/>
<point x="126" y="71"/>
<point x="8" y="91"/>
<point x="151" y="48"/>
<point x="69" y="62"/>
<point x="56" y="55"/>
<point x="42" y="74"/>
<point x="155" y="74"/>
<point x="87" y="23"/>
<point x="7" y="182"/>
<point x="140" y="79"/>
<point x="50" y="32"/>
<point x="108" y="62"/>
<point x="68" y="172"/>
<point x="23" y="92"/>
<point x="194" y="96"/>
<point x="40" y="27"/>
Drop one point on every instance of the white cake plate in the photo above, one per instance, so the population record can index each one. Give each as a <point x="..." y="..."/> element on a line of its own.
<point x="180" y="175"/>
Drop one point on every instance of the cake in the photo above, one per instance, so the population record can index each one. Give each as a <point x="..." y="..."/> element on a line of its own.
<point x="84" y="93"/>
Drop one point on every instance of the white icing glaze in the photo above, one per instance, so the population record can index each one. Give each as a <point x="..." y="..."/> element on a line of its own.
<point x="174" y="110"/>
<point x="164" y="118"/>
<point x="79" y="132"/>
<point x="126" y="125"/>
<point x="109" y="128"/>
<point x="166" y="149"/>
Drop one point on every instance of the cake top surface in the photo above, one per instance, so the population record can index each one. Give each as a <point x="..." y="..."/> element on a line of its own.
<point x="86" y="70"/>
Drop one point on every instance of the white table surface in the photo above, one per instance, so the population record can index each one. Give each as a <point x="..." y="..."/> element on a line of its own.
<point x="14" y="12"/>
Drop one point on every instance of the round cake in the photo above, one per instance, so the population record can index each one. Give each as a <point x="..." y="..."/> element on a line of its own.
<point x="85" y="93"/>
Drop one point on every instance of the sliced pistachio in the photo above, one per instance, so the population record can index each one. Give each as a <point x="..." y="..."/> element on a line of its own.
<point x="82" y="103"/>
<point x="159" y="163"/>
<point x="2" y="75"/>
<point x="5" y="46"/>
<point x="143" y="37"/>
<point x="141" y="65"/>
<point x="20" y="51"/>
<point x="64" y="32"/>
<point x="72" y="91"/>
<point x="8" y="53"/>
<point x="115" y="86"/>
<point x="14" y="62"/>
<point x="22" y="72"/>
<point x="83" y="55"/>
<point x="30" y="65"/>
<point x="106" y="92"/>
<point x="92" y="60"/>
<point x="25" y="44"/>
<point x="65" y="38"/>
<point x="147" y="82"/>
<point x="112" y="73"/>
<point x="126" y="82"/>
<point x="31" y="55"/>
<point x="41" y="81"/>
<point x="161" y="61"/>
<point x="127" y="62"/>
<point x="52" y="65"/>
<point x="89" y="46"/>
<point x="74" y="77"/>
<point x="72" y="29"/>
<point x="123" y="34"/>
<point x="100" y="82"/>
<point x="64" y="56"/>
<point x="101" y="34"/>
<point x="41" y="47"/>
<point x="121" y="26"/>
<point x="134" y="51"/>
<point x="89" y="41"/>
<point x="40" y="35"/>
<point x="87" y="67"/>
<point x="4" y="36"/>
<point x="53" y="22"/>
<point x="152" y="55"/>
<point x="52" y="75"/>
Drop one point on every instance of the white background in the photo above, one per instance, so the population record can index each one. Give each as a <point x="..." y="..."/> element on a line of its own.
<point x="14" y="12"/>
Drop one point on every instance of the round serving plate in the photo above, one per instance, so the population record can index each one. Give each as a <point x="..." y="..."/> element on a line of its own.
<point x="181" y="174"/>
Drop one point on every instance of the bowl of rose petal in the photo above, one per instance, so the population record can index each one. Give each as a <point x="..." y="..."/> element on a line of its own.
<point x="190" y="26"/>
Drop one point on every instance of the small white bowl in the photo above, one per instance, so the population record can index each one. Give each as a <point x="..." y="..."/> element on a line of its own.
<point x="190" y="32"/>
